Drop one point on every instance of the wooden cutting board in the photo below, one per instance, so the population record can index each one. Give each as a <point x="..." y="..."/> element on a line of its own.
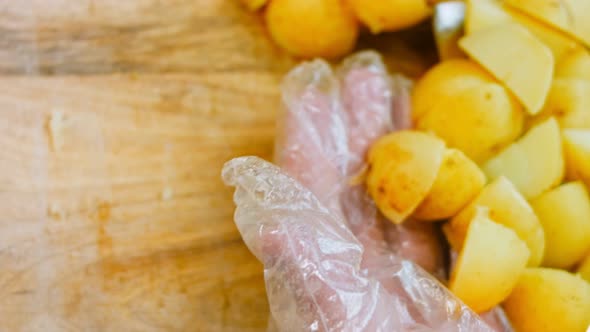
<point x="115" y="118"/>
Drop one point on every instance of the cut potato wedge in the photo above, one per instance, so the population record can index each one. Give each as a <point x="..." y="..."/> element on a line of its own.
<point x="507" y="207"/>
<point x="482" y="14"/>
<point x="464" y="105"/>
<point x="569" y="16"/>
<point x="569" y="102"/>
<point x="575" y="64"/>
<point x="497" y="49"/>
<point x="564" y="213"/>
<point x="576" y="143"/>
<point x="534" y="163"/>
<point x="489" y="264"/>
<point x="402" y="168"/>
<point x="458" y="181"/>
<point x="549" y="300"/>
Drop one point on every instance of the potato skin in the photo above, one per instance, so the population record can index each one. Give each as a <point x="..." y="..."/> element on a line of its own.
<point x="390" y="15"/>
<point x="466" y="107"/>
<point x="402" y="168"/>
<point x="312" y="28"/>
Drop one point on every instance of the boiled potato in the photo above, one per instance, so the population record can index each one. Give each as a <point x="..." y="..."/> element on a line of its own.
<point x="534" y="163"/>
<point x="466" y="107"/>
<point x="576" y="143"/>
<point x="569" y="102"/>
<point x="575" y="64"/>
<point x="458" y="181"/>
<point x="569" y="16"/>
<point x="482" y="14"/>
<point x="497" y="49"/>
<point x="488" y="266"/>
<point x="312" y="28"/>
<point x="564" y="213"/>
<point x="584" y="268"/>
<point x="254" y="4"/>
<point x="402" y="167"/>
<point x="507" y="207"/>
<point x="390" y="15"/>
<point x="549" y="300"/>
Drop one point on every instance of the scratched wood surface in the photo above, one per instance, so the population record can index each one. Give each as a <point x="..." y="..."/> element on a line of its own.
<point x="115" y="118"/>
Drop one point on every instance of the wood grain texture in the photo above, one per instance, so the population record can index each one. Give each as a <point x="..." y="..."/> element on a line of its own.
<point x="115" y="119"/>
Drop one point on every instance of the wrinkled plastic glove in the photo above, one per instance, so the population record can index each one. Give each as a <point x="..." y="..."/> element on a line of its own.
<point x="332" y="263"/>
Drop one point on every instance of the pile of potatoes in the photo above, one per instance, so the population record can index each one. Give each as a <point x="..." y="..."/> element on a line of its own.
<point x="501" y="156"/>
<point x="330" y="28"/>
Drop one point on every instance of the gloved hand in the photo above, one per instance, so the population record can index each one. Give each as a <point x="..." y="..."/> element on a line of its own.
<point x="332" y="263"/>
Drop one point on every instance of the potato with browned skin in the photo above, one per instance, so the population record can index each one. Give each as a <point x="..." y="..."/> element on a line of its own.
<point x="312" y="28"/>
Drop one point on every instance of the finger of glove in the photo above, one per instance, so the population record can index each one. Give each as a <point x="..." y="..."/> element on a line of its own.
<point x="312" y="142"/>
<point x="312" y="261"/>
<point x="367" y="101"/>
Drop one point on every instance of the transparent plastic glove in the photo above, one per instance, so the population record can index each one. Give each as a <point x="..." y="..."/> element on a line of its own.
<point x="331" y="263"/>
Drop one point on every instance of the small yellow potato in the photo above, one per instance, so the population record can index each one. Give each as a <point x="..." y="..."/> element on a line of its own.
<point x="569" y="16"/>
<point x="569" y="102"/>
<point x="489" y="265"/>
<point x="564" y="213"/>
<point x="482" y="14"/>
<point x="254" y="4"/>
<point x="507" y="207"/>
<point x="576" y="145"/>
<point x="458" y="181"/>
<point x="584" y="268"/>
<point x="498" y="49"/>
<point x="464" y="105"/>
<point x="312" y="28"/>
<point x="534" y="163"/>
<point x="575" y="64"/>
<point x="390" y="15"/>
<point x="402" y="167"/>
<point x="549" y="300"/>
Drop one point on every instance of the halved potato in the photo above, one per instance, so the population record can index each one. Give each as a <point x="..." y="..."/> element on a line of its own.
<point x="498" y="49"/>
<point x="549" y="300"/>
<point x="564" y="213"/>
<point x="467" y="108"/>
<point x="569" y="102"/>
<point x="575" y="64"/>
<point x="534" y="163"/>
<point x="507" y="207"/>
<point x="458" y="181"/>
<point x="402" y="168"/>
<point x="576" y="144"/>
<point x="489" y="265"/>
